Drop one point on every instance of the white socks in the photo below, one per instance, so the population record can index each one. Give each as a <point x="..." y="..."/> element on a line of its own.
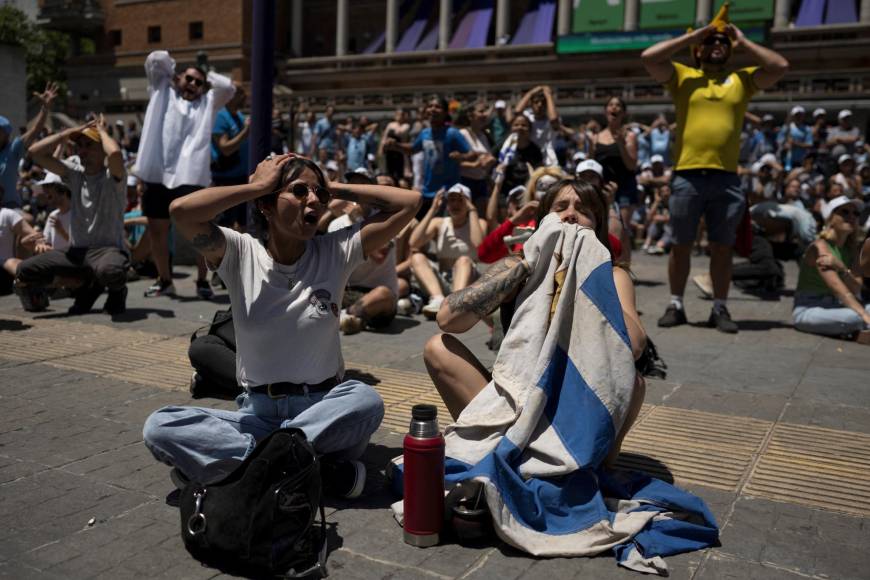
<point x="677" y="301"/>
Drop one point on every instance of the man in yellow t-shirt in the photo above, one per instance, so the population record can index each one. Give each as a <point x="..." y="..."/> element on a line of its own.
<point x="710" y="100"/>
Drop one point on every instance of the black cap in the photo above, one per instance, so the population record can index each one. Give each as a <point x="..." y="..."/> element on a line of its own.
<point x="424" y="412"/>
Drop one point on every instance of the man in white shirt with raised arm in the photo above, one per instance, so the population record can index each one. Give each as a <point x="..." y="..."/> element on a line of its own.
<point x="174" y="157"/>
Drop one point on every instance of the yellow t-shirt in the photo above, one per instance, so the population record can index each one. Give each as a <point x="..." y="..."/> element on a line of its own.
<point x="710" y="109"/>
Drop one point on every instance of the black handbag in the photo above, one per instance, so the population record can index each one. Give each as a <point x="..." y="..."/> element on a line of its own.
<point x="261" y="518"/>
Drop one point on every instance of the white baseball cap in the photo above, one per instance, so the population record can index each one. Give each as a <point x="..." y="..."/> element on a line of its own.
<point x="819" y="112"/>
<point x="838" y="202"/>
<point x="499" y="104"/>
<point x="590" y="165"/>
<point x="459" y="188"/>
<point x="844" y="113"/>
<point x="768" y="159"/>
<point x="578" y="157"/>
<point x="768" y="117"/>
<point x="843" y="158"/>
<point x="656" y="159"/>
<point x="646" y="165"/>
<point x="517" y="192"/>
<point x="331" y="165"/>
<point x="797" y="110"/>
<point x="50" y="179"/>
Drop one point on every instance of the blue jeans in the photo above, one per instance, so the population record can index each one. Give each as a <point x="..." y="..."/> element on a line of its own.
<point x="825" y="315"/>
<point x="338" y="423"/>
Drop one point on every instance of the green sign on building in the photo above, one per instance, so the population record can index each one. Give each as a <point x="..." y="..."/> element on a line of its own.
<point x="666" y="13"/>
<point x="747" y="10"/>
<point x="598" y="15"/>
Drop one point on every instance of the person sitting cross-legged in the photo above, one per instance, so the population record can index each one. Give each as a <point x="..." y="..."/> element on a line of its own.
<point x="457" y="237"/>
<point x="98" y="188"/>
<point x="285" y="293"/>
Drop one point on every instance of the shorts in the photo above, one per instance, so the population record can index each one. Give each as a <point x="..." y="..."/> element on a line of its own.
<point x="716" y="195"/>
<point x="352" y="294"/>
<point x="626" y="194"/>
<point x="157" y="197"/>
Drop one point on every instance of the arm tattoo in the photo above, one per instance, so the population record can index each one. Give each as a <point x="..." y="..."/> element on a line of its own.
<point x="491" y="289"/>
<point x="211" y="242"/>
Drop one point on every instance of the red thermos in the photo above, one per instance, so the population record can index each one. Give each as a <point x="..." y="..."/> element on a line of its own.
<point x="424" y="478"/>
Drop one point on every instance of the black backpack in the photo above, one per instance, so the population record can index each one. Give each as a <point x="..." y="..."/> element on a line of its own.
<point x="260" y="519"/>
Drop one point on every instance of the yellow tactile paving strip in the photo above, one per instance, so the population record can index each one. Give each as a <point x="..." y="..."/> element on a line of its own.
<point x="817" y="467"/>
<point x="821" y="468"/>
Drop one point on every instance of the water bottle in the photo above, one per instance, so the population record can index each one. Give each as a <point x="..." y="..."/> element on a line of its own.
<point x="424" y="478"/>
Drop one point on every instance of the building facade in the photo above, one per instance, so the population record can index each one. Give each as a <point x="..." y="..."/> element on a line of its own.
<point x="374" y="55"/>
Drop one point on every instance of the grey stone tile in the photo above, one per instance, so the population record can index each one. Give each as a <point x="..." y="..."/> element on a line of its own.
<point x="830" y="416"/>
<point x="797" y="538"/>
<point x="713" y="400"/>
<point x="836" y="385"/>
<point x="343" y="564"/>
<point x="720" y="568"/>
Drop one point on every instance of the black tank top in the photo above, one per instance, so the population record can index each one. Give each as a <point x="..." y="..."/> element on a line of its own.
<point x="614" y="168"/>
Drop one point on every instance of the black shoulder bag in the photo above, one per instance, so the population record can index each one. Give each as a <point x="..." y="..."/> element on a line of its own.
<point x="260" y="519"/>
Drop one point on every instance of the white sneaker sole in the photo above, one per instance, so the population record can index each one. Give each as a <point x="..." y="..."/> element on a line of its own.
<point x="360" y="481"/>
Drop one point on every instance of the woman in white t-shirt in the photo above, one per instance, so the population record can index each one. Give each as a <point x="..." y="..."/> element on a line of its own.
<point x="285" y="294"/>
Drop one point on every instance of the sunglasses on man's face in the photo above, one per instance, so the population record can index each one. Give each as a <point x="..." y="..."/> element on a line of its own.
<point x="301" y="190"/>
<point x="711" y="40"/>
<point x="195" y="81"/>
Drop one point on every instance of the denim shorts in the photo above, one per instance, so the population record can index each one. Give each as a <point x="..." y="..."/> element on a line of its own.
<point x="715" y="195"/>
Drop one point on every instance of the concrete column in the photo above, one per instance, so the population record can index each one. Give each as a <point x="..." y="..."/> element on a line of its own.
<point x="341" y="28"/>
<point x="864" y="17"/>
<point x="781" y="13"/>
<point x="296" y="28"/>
<point x="444" y="19"/>
<point x="563" y="22"/>
<point x="703" y="11"/>
<point x="631" y="12"/>
<point x="502" y="17"/>
<point x="392" y="24"/>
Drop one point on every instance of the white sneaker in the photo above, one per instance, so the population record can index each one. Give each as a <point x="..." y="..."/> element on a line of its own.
<point x="431" y="309"/>
<point x="350" y="324"/>
<point x="404" y="306"/>
<point x="704" y="284"/>
<point x="160" y="289"/>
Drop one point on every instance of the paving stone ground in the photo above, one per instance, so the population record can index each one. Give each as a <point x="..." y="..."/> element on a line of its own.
<point x="770" y="427"/>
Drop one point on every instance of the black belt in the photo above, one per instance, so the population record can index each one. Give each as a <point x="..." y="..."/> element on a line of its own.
<point x="278" y="390"/>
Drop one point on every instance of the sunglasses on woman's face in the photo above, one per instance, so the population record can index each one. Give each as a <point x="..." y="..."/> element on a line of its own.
<point x="301" y="190"/>
<point x="197" y="82"/>
<point x="846" y="213"/>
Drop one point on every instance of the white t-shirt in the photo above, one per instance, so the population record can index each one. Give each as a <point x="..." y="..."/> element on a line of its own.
<point x="286" y="317"/>
<point x="542" y="135"/>
<point x="9" y="218"/>
<point x="371" y="274"/>
<point x="52" y="236"/>
<point x="175" y="146"/>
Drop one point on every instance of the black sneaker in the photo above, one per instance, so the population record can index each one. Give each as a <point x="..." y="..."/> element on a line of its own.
<point x="203" y="290"/>
<point x="721" y="321"/>
<point x="673" y="316"/>
<point x="32" y="299"/>
<point x="343" y="479"/>
<point x="85" y="298"/>
<point x="116" y="303"/>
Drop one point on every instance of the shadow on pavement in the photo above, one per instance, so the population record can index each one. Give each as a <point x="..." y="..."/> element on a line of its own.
<point x="135" y="314"/>
<point x="14" y="325"/>
<point x="397" y="326"/>
<point x="761" y="324"/>
<point x="645" y="464"/>
<point x="361" y="376"/>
